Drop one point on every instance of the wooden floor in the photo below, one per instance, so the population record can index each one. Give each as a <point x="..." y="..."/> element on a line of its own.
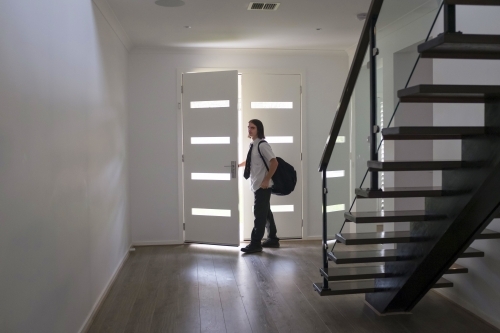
<point x="202" y="288"/>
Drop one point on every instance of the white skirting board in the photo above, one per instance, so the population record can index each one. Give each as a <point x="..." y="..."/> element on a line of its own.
<point x="153" y="243"/>
<point x="100" y="299"/>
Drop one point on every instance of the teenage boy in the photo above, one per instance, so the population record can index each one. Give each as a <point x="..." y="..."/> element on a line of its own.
<point x="261" y="184"/>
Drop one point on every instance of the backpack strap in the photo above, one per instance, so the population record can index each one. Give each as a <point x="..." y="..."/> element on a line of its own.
<point x="263" y="160"/>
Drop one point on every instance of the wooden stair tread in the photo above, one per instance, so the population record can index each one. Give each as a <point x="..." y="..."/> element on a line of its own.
<point x="461" y="46"/>
<point x="356" y="257"/>
<point x="457" y="269"/>
<point x="414" y="165"/>
<point x="392" y="216"/>
<point x="472" y="253"/>
<point x="489" y="234"/>
<point x="362" y="287"/>
<point x="446" y="93"/>
<point x="474" y="2"/>
<point x="345" y="273"/>
<point x="443" y="283"/>
<point x="346" y="287"/>
<point x="432" y="132"/>
<point x="353" y="273"/>
<point x="364" y="238"/>
<point x="404" y="192"/>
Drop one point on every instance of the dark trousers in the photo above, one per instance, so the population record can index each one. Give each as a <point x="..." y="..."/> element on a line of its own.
<point x="263" y="216"/>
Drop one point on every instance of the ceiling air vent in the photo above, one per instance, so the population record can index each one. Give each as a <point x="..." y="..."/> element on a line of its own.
<point x="263" y="6"/>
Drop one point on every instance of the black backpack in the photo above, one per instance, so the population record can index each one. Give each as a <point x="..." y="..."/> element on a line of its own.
<point x="284" y="178"/>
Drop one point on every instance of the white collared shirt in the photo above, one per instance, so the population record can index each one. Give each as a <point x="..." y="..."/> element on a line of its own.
<point x="257" y="168"/>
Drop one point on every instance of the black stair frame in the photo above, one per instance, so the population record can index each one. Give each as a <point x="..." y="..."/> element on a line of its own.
<point x="468" y="215"/>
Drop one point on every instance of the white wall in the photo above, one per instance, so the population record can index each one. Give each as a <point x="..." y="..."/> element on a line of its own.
<point x="154" y="168"/>
<point x="478" y="291"/>
<point x="63" y="205"/>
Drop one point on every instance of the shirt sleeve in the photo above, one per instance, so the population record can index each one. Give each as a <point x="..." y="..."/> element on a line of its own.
<point x="267" y="151"/>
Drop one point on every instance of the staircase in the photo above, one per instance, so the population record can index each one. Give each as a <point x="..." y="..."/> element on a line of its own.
<point x="455" y="214"/>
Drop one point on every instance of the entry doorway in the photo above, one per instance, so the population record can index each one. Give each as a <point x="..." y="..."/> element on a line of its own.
<point x="275" y="99"/>
<point x="226" y="217"/>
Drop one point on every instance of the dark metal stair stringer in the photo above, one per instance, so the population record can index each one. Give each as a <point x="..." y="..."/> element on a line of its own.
<point x="468" y="215"/>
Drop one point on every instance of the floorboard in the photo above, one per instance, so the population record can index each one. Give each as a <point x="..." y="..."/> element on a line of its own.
<point x="193" y="288"/>
<point x="235" y="316"/>
<point x="211" y="314"/>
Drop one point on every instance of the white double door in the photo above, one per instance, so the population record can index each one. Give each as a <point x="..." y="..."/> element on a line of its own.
<point x="210" y="150"/>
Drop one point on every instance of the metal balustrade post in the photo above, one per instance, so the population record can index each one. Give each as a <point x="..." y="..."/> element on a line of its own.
<point x="325" y="232"/>
<point x="374" y="129"/>
<point x="450" y="18"/>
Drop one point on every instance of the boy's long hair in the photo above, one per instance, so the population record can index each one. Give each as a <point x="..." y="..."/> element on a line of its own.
<point x="260" y="128"/>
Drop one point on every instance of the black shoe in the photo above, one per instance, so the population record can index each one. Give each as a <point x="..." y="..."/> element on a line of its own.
<point x="271" y="242"/>
<point x="250" y="248"/>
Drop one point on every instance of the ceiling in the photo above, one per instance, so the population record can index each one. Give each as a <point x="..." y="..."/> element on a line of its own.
<point x="228" y="24"/>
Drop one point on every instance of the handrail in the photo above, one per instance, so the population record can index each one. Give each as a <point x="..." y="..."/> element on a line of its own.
<point x="352" y="78"/>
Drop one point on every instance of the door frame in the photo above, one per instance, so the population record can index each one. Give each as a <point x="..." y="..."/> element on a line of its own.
<point x="303" y="135"/>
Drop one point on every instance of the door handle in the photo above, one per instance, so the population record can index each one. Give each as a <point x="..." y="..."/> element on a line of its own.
<point x="233" y="168"/>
